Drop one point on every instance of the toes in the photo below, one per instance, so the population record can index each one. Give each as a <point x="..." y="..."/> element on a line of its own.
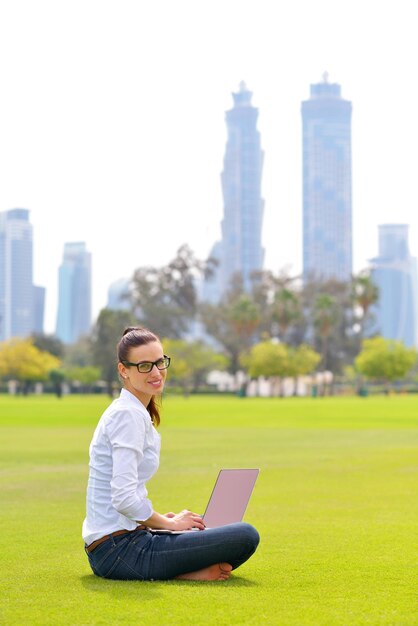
<point x="225" y="567"/>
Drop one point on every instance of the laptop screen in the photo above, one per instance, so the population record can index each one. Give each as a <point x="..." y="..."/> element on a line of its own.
<point x="230" y="496"/>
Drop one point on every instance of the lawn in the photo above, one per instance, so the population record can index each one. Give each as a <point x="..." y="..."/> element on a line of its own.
<point x="336" y="505"/>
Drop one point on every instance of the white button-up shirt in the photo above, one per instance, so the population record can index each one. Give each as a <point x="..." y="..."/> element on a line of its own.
<point x="124" y="454"/>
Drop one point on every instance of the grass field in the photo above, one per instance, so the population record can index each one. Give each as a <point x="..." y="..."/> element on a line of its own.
<point x="336" y="505"/>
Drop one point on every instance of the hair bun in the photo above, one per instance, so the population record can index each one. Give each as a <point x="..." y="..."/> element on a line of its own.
<point x="129" y="329"/>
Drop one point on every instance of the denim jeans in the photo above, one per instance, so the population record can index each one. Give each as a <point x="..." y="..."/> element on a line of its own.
<point x="144" y="555"/>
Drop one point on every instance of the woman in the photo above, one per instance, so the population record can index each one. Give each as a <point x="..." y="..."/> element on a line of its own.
<point x="118" y="530"/>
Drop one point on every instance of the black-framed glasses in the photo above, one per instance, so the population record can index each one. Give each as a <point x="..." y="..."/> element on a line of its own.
<point x="144" y="367"/>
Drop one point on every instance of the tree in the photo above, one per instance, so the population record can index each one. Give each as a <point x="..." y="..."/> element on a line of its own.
<point x="286" y="310"/>
<point x="57" y="377"/>
<point x="106" y="333"/>
<point x="181" y="366"/>
<point x="48" y="343"/>
<point x="364" y="293"/>
<point x="191" y="362"/>
<point x="385" y="360"/>
<point x="165" y="299"/>
<point x="22" y="361"/>
<point x="84" y="376"/>
<point x="79" y="353"/>
<point x="330" y="324"/>
<point x="301" y="360"/>
<point x="326" y="317"/>
<point x="268" y="359"/>
<point x="204" y="360"/>
<point x="232" y="323"/>
<point x="262" y="290"/>
<point x="244" y="316"/>
<point x="279" y="303"/>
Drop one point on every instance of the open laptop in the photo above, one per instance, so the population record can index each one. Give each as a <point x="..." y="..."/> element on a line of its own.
<point x="229" y="498"/>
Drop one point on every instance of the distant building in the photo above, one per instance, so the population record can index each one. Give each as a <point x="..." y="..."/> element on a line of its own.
<point x="38" y="309"/>
<point x="327" y="223"/>
<point x="209" y="289"/>
<point x="118" y="295"/>
<point x="74" y="297"/>
<point x="394" y="271"/>
<point x="240" y="249"/>
<point x="17" y="317"/>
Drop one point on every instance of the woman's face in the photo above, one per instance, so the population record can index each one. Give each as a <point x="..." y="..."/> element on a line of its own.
<point x="144" y="386"/>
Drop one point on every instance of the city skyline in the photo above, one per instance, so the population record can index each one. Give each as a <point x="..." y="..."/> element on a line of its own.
<point x="112" y="129"/>
<point x="394" y="272"/>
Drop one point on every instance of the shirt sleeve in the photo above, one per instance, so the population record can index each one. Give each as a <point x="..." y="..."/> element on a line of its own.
<point x="126" y="435"/>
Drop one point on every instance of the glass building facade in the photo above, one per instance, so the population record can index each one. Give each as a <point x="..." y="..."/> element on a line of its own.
<point x="118" y="295"/>
<point x="327" y="221"/>
<point x="394" y="271"/>
<point x="16" y="275"/>
<point x="74" y="297"/>
<point x="39" y="294"/>
<point x="240" y="249"/>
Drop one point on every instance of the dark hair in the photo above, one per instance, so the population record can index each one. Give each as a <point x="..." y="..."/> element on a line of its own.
<point x="135" y="336"/>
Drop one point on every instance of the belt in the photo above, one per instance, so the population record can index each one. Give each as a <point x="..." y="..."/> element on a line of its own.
<point x="117" y="533"/>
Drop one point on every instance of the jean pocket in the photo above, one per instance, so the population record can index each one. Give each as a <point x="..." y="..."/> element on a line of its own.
<point x="122" y="570"/>
<point x="103" y="557"/>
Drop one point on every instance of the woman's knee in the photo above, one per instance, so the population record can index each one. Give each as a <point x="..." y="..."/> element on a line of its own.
<point x="249" y="534"/>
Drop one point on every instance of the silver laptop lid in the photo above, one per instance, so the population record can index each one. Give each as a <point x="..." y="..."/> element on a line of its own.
<point x="230" y="496"/>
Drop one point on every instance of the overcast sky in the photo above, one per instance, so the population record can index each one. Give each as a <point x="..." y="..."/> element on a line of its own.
<point x="112" y="125"/>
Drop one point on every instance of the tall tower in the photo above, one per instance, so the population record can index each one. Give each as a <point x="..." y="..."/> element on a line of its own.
<point x="394" y="272"/>
<point x="74" y="299"/>
<point x="327" y="222"/>
<point x="16" y="282"/>
<point x="240" y="249"/>
<point x="118" y="295"/>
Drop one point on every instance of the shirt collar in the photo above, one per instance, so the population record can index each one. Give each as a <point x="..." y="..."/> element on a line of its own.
<point x="127" y="395"/>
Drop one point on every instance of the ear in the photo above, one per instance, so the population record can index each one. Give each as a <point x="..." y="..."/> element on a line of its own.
<point x="122" y="370"/>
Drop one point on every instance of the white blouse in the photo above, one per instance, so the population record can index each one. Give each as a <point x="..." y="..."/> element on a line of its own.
<point x="124" y="455"/>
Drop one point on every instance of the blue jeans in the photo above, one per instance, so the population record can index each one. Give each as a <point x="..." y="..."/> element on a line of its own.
<point x="143" y="555"/>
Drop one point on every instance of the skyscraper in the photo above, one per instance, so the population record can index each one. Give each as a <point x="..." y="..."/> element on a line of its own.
<point x="394" y="272"/>
<point x="240" y="249"/>
<point x="74" y="297"/>
<point x="327" y="236"/>
<point x="16" y="282"/>
<point x="38" y="309"/>
<point x="118" y="295"/>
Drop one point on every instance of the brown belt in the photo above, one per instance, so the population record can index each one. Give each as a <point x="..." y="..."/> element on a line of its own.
<point x="117" y="533"/>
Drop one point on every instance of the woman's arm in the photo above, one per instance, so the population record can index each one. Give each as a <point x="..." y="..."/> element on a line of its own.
<point x="127" y="438"/>
<point x="124" y="485"/>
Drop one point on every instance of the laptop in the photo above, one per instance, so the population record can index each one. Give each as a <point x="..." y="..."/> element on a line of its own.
<point x="229" y="499"/>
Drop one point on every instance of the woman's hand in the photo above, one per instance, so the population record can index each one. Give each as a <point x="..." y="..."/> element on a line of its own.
<point x="186" y="520"/>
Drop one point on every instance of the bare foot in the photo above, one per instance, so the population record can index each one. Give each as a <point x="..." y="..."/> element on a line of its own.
<point x="219" y="571"/>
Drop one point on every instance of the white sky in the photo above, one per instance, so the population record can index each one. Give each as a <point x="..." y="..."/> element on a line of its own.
<point x="112" y="123"/>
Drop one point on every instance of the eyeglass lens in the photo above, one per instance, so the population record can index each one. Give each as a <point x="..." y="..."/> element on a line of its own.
<point x="147" y="366"/>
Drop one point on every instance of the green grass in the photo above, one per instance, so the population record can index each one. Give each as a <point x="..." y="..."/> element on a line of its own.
<point x="336" y="505"/>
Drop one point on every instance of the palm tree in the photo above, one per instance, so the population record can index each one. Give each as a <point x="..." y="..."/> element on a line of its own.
<point x="364" y="293"/>
<point x="244" y="316"/>
<point x="286" y="310"/>
<point x="233" y="323"/>
<point x="326" y="316"/>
